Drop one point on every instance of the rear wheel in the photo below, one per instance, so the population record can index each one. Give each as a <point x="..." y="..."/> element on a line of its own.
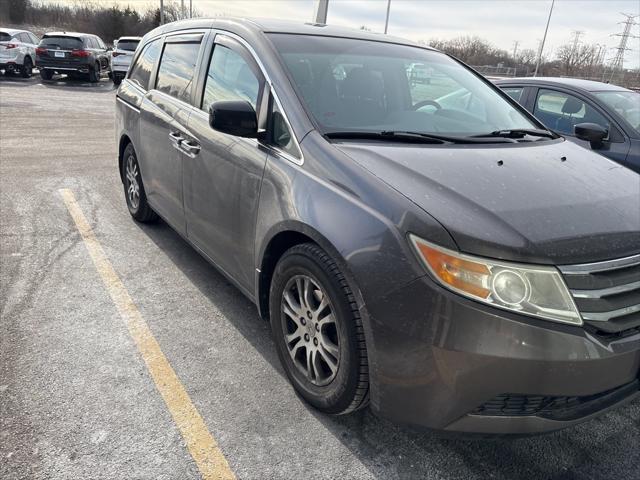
<point x="46" y="74"/>
<point x="117" y="79"/>
<point x="27" y="68"/>
<point x="134" y="189"/>
<point x="94" y="73"/>
<point x="318" y="332"/>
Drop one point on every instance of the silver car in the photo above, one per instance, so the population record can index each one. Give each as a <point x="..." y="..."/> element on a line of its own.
<point x="123" y="50"/>
<point x="17" y="51"/>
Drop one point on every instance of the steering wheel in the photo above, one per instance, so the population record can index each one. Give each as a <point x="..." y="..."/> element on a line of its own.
<point x="424" y="103"/>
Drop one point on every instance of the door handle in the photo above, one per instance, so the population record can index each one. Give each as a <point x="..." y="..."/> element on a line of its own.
<point x="190" y="148"/>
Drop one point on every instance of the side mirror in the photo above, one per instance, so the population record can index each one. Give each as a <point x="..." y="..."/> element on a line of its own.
<point x="591" y="132"/>
<point x="235" y="117"/>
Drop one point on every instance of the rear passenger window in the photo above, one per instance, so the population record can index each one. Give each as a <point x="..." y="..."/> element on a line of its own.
<point x="141" y="70"/>
<point x="177" y="68"/>
<point x="229" y="78"/>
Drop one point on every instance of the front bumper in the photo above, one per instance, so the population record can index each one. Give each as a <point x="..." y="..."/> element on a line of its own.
<point x="440" y="358"/>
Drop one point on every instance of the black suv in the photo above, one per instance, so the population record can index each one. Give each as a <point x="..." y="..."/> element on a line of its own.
<point x="72" y="53"/>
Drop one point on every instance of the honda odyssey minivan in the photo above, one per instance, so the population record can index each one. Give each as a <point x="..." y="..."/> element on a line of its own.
<point x="425" y="248"/>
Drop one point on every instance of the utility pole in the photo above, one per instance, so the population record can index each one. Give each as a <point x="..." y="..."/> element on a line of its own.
<point x="544" y="38"/>
<point x="182" y="15"/>
<point x="320" y="15"/>
<point x="386" y="21"/>
<point x="515" y="48"/>
<point x="190" y="8"/>
<point x="161" y="13"/>
<point x="618" y="61"/>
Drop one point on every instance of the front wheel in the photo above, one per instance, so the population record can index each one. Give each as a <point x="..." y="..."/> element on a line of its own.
<point x="318" y="331"/>
<point x="46" y="74"/>
<point x="134" y="192"/>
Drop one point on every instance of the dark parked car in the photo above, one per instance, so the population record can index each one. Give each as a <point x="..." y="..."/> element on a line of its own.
<point x="459" y="267"/>
<point x="75" y="54"/>
<point x="600" y="116"/>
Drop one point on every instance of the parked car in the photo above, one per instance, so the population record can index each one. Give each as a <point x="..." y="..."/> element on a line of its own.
<point x="461" y="270"/>
<point x="17" y="51"/>
<point x="419" y="73"/>
<point x="74" y="54"/>
<point x="121" y="56"/>
<point x="600" y="116"/>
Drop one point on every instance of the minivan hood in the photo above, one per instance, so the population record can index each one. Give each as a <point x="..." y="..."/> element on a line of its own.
<point x="550" y="202"/>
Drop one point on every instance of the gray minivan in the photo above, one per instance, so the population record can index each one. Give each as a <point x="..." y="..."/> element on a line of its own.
<point x="427" y="248"/>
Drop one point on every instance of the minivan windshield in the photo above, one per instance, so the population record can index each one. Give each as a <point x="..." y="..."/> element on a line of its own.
<point x="359" y="85"/>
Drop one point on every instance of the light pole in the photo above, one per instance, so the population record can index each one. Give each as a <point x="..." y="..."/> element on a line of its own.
<point x="386" y="21"/>
<point x="544" y="38"/>
<point x="161" y="13"/>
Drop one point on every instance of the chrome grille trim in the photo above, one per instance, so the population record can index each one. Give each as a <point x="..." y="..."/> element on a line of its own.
<point x="606" y="292"/>
<point x="605" y="316"/>
<point x="609" y="265"/>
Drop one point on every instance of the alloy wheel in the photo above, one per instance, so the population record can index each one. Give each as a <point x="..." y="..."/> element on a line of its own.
<point x="133" y="186"/>
<point x="310" y="330"/>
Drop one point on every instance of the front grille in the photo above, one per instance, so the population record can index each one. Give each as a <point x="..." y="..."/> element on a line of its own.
<point x="607" y="294"/>
<point x="557" y="408"/>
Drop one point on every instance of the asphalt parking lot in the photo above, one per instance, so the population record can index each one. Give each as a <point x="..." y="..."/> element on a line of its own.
<point x="76" y="396"/>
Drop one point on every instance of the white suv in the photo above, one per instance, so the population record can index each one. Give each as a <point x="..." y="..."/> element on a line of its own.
<point x="17" y="51"/>
<point x="123" y="50"/>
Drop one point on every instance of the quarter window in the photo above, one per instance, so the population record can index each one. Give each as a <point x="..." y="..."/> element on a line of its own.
<point x="176" y="71"/>
<point x="280" y="135"/>
<point x="141" y="70"/>
<point x="229" y="78"/>
<point x="514" y="92"/>
<point x="561" y="111"/>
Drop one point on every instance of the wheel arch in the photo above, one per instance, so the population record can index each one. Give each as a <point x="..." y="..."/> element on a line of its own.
<point x="280" y="239"/>
<point x="122" y="145"/>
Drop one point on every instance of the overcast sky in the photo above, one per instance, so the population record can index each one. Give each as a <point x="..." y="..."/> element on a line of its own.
<point x="502" y="22"/>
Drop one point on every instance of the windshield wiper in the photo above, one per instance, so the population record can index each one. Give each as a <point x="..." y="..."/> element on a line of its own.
<point x="407" y="136"/>
<point x="518" y="133"/>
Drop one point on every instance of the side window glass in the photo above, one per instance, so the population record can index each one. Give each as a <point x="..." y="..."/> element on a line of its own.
<point x="91" y="43"/>
<point x="177" y="68"/>
<point x="562" y="111"/>
<point x="141" y="70"/>
<point x="24" y="38"/>
<point x="34" y="39"/>
<point x="229" y="78"/>
<point x="100" y="43"/>
<point x="514" y="92"/>
<point x="280" y="134"/>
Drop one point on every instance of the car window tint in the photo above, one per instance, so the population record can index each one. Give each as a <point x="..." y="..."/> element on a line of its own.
<point x="514" y="92"/>
<point x="141" y="70"/>
<point x="177" y="67"/>
<point x="128" y="45"/>
<point x="561" y="111"/>
<point x="229" y="78"/>
<point x="61" y="43"/>
<point x="4" y="37"/>
<point x="281" y="135"/>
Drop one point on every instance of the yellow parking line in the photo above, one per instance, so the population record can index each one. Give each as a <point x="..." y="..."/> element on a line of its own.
<point x="201" y="444"/>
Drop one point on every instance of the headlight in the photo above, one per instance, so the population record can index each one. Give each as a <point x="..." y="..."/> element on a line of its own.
<point x="538" y="291"/>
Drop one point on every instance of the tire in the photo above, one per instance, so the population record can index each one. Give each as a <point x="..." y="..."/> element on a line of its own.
<point x="94" y="73"/>
<point x="46" y="74"/>
<point x="27" y="68"/>
<point x="117" y="80"/>
<point x="314" y="335"/>
<point x="134" y="189"/>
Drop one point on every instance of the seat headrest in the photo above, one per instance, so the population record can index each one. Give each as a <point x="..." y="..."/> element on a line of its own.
<point x="572" y="105"/>
<point x="361" y="82"/>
